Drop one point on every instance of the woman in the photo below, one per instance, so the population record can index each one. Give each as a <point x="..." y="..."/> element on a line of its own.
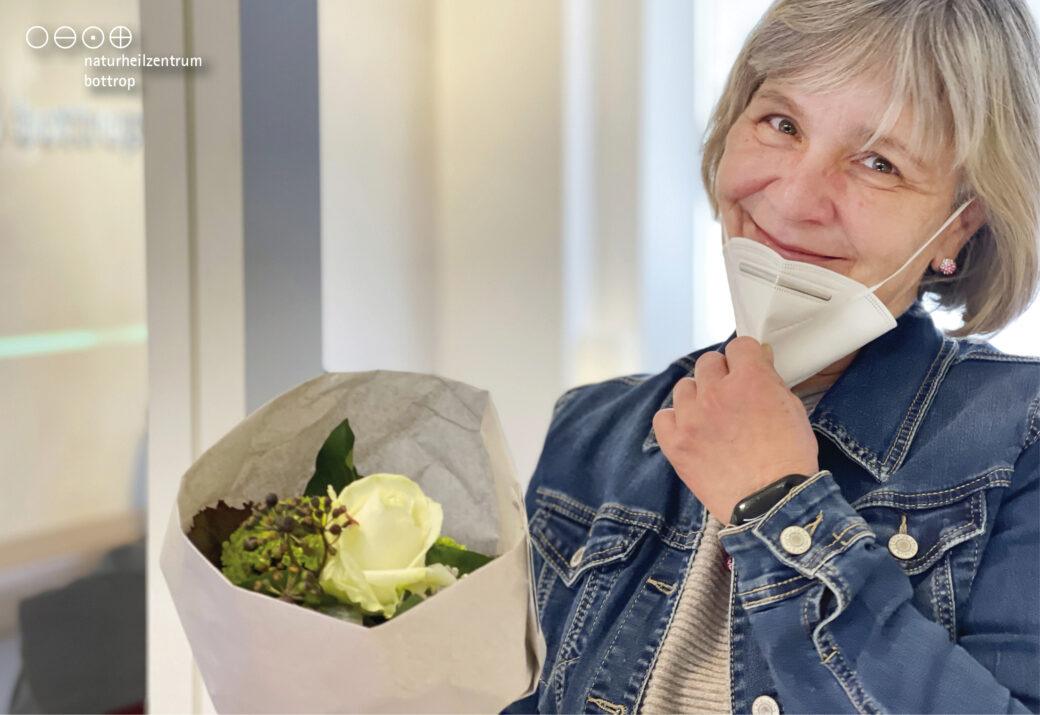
<point x="851" y="527"/>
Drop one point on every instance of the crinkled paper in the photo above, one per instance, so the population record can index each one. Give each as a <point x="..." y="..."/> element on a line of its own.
<point x="473" y="647"/>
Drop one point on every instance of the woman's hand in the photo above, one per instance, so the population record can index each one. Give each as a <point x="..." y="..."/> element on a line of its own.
<point x="735" y="427"/>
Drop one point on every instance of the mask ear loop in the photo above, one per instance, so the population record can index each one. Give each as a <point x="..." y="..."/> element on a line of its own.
<point x="926" y="244"/>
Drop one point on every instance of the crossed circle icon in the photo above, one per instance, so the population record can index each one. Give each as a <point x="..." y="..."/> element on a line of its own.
<point x="120" y="37"/>
<point x="65" y="37"/>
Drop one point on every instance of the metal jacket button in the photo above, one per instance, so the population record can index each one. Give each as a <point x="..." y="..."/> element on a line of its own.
<point x="902" y="545"/>
<point x="795" y="540"/>
<point x="765" y="705"/>
<point x="576" y="558"/>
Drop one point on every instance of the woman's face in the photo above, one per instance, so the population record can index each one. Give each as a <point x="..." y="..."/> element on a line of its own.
<point x="793" y="177"/>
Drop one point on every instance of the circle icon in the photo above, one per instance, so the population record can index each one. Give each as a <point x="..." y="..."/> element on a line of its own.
<point x="120" y="37"/>
<point x="34" y="33"/>
<point x="65" y="37"/>
<point x="93" y="37"/>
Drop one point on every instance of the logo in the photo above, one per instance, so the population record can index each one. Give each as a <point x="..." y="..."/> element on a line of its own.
<point x="120" y="37"/>
<point x="93" y="37"/>
<point x="64" y="37"/>
<point x="37" y="37"/>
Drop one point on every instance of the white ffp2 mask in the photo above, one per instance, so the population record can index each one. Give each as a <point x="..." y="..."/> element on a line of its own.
<point x="810" y="315"/>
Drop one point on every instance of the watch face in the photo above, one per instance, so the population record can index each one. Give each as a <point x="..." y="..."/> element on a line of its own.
<point x="757" y="504"/>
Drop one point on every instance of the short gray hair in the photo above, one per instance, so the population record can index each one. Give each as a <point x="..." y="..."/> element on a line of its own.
<point x="971" y="71"/>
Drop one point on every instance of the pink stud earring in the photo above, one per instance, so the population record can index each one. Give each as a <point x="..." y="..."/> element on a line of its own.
<point x="948" y="267"/>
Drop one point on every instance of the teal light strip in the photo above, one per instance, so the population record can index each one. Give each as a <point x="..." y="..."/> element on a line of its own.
<point x="67" y="341"/>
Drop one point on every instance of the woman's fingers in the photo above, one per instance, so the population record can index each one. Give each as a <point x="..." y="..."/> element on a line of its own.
<point x="710" y="366"/>
<point x="747" y="354"/>
<point x="664" y="426"/>
<point x="684" y="392"/>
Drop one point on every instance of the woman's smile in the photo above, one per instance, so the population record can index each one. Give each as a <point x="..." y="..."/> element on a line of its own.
<point x="789" y="251"/>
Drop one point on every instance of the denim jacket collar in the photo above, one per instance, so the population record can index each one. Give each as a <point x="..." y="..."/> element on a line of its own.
<point x="875" y="433"/>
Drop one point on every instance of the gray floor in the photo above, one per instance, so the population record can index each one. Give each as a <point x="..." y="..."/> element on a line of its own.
<point x="10" y="665"/>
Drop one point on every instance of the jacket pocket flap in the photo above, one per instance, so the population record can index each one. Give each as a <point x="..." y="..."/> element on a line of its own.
<point x="573" y="538"/>
<point x="919" y="528"/>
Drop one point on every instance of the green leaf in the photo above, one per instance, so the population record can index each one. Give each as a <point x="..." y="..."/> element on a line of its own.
<point x="212" y="526"/>
<point x="450" y="553"/>
<point x="409" y="601"/>
<point x="342" y="611"/>
<point x="335" y="463"/>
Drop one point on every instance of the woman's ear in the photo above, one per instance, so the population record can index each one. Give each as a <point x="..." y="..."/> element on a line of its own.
<point x="960" y="232"/>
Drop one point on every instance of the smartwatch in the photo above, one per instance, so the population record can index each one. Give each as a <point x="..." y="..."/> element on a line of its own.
<point x="756" y="505"/>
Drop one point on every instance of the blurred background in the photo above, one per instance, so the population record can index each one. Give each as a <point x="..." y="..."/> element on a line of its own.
<point x="504" y="192"/>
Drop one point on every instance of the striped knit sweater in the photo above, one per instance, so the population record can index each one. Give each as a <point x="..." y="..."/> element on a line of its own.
<point x="692" y="670"/>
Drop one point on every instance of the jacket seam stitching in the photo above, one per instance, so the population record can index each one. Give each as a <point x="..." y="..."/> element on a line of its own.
<point x="952" y="534"/>
<point x="1033" y="431"/>
<point x="836" y="547"/>
<point x="989" y="355"/>
<point x="922" y="402"/>
<point x="846" y="678"/>
<point x="772" y="585"/>
<point x="924" y="387"/>
<point x="617" y="513"/>
<point x="867" y="500"/>
<point x="778" y="596"/>
<point x="671" y="618"/>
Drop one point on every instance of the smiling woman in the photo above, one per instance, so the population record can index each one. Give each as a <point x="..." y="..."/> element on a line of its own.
<point x="843" y="519"/>
<point x="945" y="118"/>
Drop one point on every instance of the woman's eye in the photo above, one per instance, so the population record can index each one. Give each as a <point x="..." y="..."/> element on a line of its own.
<point x="880" y="164"/>
<point x="783" y="124"/>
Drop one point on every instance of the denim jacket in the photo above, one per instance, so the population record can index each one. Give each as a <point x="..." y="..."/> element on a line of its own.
<point x="922" y="435"/>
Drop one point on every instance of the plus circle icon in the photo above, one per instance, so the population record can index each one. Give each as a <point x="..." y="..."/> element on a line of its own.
<point x="120" y="37"/>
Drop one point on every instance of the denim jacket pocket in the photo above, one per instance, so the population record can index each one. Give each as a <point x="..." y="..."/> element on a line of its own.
<point x="579" y="554"/>
<point x="934" y="537"/>
<point x="919" y="528"/>
<point x="572" y="538"/>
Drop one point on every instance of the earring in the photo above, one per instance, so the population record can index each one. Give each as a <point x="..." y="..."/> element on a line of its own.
<point x="948" y="267"/>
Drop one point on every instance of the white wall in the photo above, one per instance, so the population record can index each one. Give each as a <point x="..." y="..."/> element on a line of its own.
<point x="441" y="197"/>
<point x="499" y="208"/>
<point x="196" y="316"/>
<point x="377" y="178"/>
<point x="506" y="194"/>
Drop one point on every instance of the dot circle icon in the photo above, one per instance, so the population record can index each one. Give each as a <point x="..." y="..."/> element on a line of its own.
<point x="93" y="37"/>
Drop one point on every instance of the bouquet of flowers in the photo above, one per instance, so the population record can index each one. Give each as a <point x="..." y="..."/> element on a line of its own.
<point x="311" y="550"/>
<point x="281" y="558"/>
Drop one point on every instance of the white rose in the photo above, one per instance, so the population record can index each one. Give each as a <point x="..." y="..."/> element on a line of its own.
<point x="385" y="552"/>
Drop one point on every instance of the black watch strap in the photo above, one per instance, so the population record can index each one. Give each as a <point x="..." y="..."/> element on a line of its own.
<point x="757" y="504"/>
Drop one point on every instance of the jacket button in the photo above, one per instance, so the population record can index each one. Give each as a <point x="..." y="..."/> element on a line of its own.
<point x="795" y="540"/>
<point x="765" y="705"/>
<point x="903" y="546"/>
<point x="576" y="559"/>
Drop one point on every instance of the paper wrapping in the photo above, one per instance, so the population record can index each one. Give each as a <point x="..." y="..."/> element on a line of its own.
<point x="474" y="646"/>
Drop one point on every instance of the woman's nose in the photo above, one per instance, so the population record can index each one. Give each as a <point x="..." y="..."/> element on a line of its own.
<point x="805" y="190"/>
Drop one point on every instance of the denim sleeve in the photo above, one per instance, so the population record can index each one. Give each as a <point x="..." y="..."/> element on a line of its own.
<point x="838" y="627"/>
